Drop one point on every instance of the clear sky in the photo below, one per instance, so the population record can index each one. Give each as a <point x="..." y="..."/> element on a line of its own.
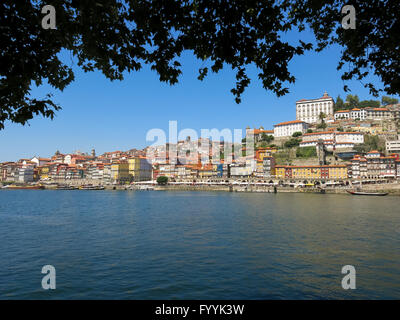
<point x="109" y="116"/>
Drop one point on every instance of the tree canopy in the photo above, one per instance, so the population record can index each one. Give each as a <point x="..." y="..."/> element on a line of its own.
<point x="115" y="37"/>
<point x="388" y="100"/>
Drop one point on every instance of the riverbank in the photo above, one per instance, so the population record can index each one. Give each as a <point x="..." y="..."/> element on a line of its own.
<point x="391" y="188"/>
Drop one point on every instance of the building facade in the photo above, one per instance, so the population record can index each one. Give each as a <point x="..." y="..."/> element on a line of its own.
<point x="286" y="129"/>
<point x="309" y="110"/>
<point x="393" y="146"/>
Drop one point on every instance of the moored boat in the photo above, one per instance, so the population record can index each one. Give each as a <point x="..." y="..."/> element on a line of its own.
<point x="62" y="187"/>
<point x="22" y="187"/>
<point x="91" y="187"/>
<point x="362" y="193"/>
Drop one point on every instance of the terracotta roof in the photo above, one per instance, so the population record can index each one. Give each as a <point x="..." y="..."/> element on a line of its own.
<point x="316" y="133"/>
<point x="348" y="132"/>
<point x="288" y="122"/>
<point x="315" y="166"/>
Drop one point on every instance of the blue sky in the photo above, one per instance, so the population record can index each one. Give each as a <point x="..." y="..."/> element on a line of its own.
<point x="108" y="116"/>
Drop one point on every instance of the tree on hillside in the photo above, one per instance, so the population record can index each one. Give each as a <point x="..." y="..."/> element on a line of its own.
<point x="339" y="104"/>
<point x="297" y="134"/>
<point x="116" y="37"/>
<point x="352" y="101"/>
<point x="267" y="138"/>
<point x="292" y="142"/>
<point x="389" y="100"/>
<point x="371" y="143"/>
<point x="369" y="104"/>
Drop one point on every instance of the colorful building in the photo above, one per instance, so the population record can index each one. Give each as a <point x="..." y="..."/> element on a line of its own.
<point x="312" y="172"/>
<point x="120" y="172"/>
<point x="139" y="169"/>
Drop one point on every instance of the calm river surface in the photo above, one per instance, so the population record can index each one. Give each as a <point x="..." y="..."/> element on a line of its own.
<point x="197" y="245"/>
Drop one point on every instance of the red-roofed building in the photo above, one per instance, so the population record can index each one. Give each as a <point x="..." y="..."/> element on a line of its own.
<point x="374" y="165"/>
<point x="286" y="129"/>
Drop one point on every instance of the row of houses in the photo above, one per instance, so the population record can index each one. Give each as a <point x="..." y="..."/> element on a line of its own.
<point x="373" y="165"/>
<point x="261" y="164"/>
<point x="363" y="114"/>
<point x="73" y="167"/>
<point x="333" y="140"/>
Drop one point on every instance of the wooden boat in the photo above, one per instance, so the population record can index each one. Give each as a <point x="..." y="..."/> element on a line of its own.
<point x="361" y="193"/>
<point x="16" y="187"/>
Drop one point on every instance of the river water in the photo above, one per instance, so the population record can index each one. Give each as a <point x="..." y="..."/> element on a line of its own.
<point x="197" y="245"/>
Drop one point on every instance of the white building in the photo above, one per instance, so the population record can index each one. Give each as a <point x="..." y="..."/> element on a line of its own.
<point x="40" y="161"/>
<point x="25" y="174"/>
<point x="286" y="129"/>
<point x="310" y="110"/>
<point x="342" y="114"/>
<point x="332" y="139"/>
<point x="360" y="114"/>
<point x="379" y="114"/>
<point x="353" y="137"/>
<point x="393" y="146"/>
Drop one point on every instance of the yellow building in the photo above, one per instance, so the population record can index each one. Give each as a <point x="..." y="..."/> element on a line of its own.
<point x="307" y="172"/>
<point x="43" y="172"/>
<point x="139" y="169"/>
<point x="120" y="172"/>
<point x="280" y="172"/>
<point x="337" y="172"/>
<point x="312" y="172"/>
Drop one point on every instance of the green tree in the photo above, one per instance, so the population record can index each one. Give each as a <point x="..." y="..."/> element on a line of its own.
<point x="369" y="103"/>
<point x="352" y="101"/>
<point x="371" y="143"/>
<point x="339" y="104"/>
<point x="309" y="131"/>
<point x="388" y="100"/>
<point x="162" y="180"/>
<point x="267" y="138"/>
<point x="118" y="37"/>
<point x="322" y="116"/>
<point x="292" y="142"/>
<point x="297" y="134"/>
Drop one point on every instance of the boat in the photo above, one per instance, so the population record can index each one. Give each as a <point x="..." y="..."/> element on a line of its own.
<point x="63" y="187"/>
<point x="91" y="187"/>
<point x="361" y="193"/>
<point x="22" y="187"/>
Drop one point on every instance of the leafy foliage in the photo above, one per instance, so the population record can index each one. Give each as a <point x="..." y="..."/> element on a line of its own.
<point x="371" y="143"/>
<point x="116" y="37"/>
<point x="297" y="134"/>
<point x="339" y="104"/>
<point x="369" y="103"/>
<point x="371" y="48"/>
<point x="352" y="101"/>
<point x="162" y="180"/>
<point x="388" y="100"/>
<point x="306" y="152"/>
<point x="267" y="138"/>
<point x="292" y="142"/>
